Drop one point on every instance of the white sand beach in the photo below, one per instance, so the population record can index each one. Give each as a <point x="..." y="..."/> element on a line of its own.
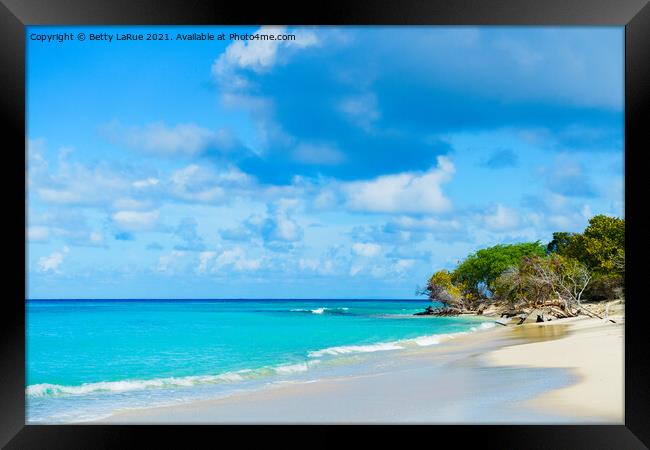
<point x="564" y="371"/>
<point x="594" y="352"/>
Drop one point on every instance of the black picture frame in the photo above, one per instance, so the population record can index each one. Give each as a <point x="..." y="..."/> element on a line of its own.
<point x="633" y="14"/>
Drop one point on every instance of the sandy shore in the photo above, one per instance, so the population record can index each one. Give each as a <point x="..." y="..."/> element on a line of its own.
<point x="593" y="350"/>
<point x="565" y="371"/>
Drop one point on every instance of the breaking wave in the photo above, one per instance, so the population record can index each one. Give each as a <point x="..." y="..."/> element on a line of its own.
<point x="57" y="390"/>
<point x="322" y="310"/>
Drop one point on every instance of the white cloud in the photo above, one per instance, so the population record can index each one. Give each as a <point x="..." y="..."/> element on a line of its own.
<point x="168" y="263"/>
<point x="275" y="229"/>
<point x="236" y="258"/>
<point x="147" y="182"/>
<point x="204" y="260"/>
<point x="130" y="203"/>
<point x="308" y="264"/>
<point x="70" y="225"/>
<point x="52" y="262"/>
<point x="135" y="220"/>
<point x="258" y="55"/>
<point x="76" y="184"/>
<point x="366" y="249"/>
<point x="159" y="138"/>
<point x="402" y="265"/>
<point x="501" y="218"/>
<point x="37" y="233"/>
<point x="355" y="269"/>
<point x="281" y="228"/>
<point x="427" y="224"/>
<point x="404" y="192"/>
<point x="195" y="183"/>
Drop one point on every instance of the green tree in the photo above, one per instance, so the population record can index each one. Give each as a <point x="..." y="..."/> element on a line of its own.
<point x="481" y="269"/>
<point x="604" y="244"/>
<point x="562" y="243"/>
<point x="441" y="288"/>
<point x="601" y="246"/>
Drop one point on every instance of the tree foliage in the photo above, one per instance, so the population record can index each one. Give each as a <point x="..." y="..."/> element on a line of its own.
<point x="571" y="268"/>
<point x="539" y="281"/>
<point x="563" y="243"/>
<point x="441" y="288"/>
<point x="601" y="247"/>
<point x="481" y="269"/>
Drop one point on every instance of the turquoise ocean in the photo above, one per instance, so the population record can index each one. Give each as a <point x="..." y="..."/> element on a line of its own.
<point x="86" y="359"/>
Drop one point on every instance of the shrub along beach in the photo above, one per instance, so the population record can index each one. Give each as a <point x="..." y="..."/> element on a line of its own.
<point x="574" y="274"/>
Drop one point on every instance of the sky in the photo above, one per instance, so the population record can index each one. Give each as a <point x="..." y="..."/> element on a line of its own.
<point x="351" y="162"/>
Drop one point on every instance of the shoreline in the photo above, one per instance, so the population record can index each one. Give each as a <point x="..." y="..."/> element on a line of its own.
<point x="533" y="373"/>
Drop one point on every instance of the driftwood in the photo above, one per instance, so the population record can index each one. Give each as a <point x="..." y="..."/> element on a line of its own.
<point x="592" y="314"/>
<point x="544" y="310"/>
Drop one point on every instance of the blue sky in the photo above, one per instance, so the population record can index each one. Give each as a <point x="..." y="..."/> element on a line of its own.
<point x="351" y="162"/>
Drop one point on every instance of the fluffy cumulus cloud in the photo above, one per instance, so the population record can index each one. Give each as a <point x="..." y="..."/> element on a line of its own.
<point x="69" y="226"/>
<point x="135" y="220"/>
<point x="404" y="192"/>
<point x="259" y="55"/>
<point x="52" y="262"/>
<point x="366" y="249"/>
<point x="170" y="263"/>
<point x="76" y="184"/>
<point x="501" y="218"/>
<point x="195" y="183"/>
<point x="230" y="259"/>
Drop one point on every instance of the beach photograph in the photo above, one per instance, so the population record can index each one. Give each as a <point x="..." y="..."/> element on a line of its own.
<point x="324" y="225"/>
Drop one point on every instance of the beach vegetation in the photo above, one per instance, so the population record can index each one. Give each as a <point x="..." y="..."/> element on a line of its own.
<point x="601" y="248"/>
<point x="441" y="288"/>
<point x="543" y="281"/>
<point x="571" y="269"/>
<point x="477" y="274"/>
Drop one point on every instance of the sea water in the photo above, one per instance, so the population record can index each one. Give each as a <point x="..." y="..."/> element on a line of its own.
<point x="86" y="359"/>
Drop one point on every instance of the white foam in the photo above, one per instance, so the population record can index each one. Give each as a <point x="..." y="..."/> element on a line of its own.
<point x="427" y="340"/>
<point x="320" y="310"/>
<point x="295" y="368"/>
<point x="55" y="390"/>
<point x="484" y="326"/>
<point x="421" y="341"/>
<point x="346" y="349"/>
<point x="52" y="390"/>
